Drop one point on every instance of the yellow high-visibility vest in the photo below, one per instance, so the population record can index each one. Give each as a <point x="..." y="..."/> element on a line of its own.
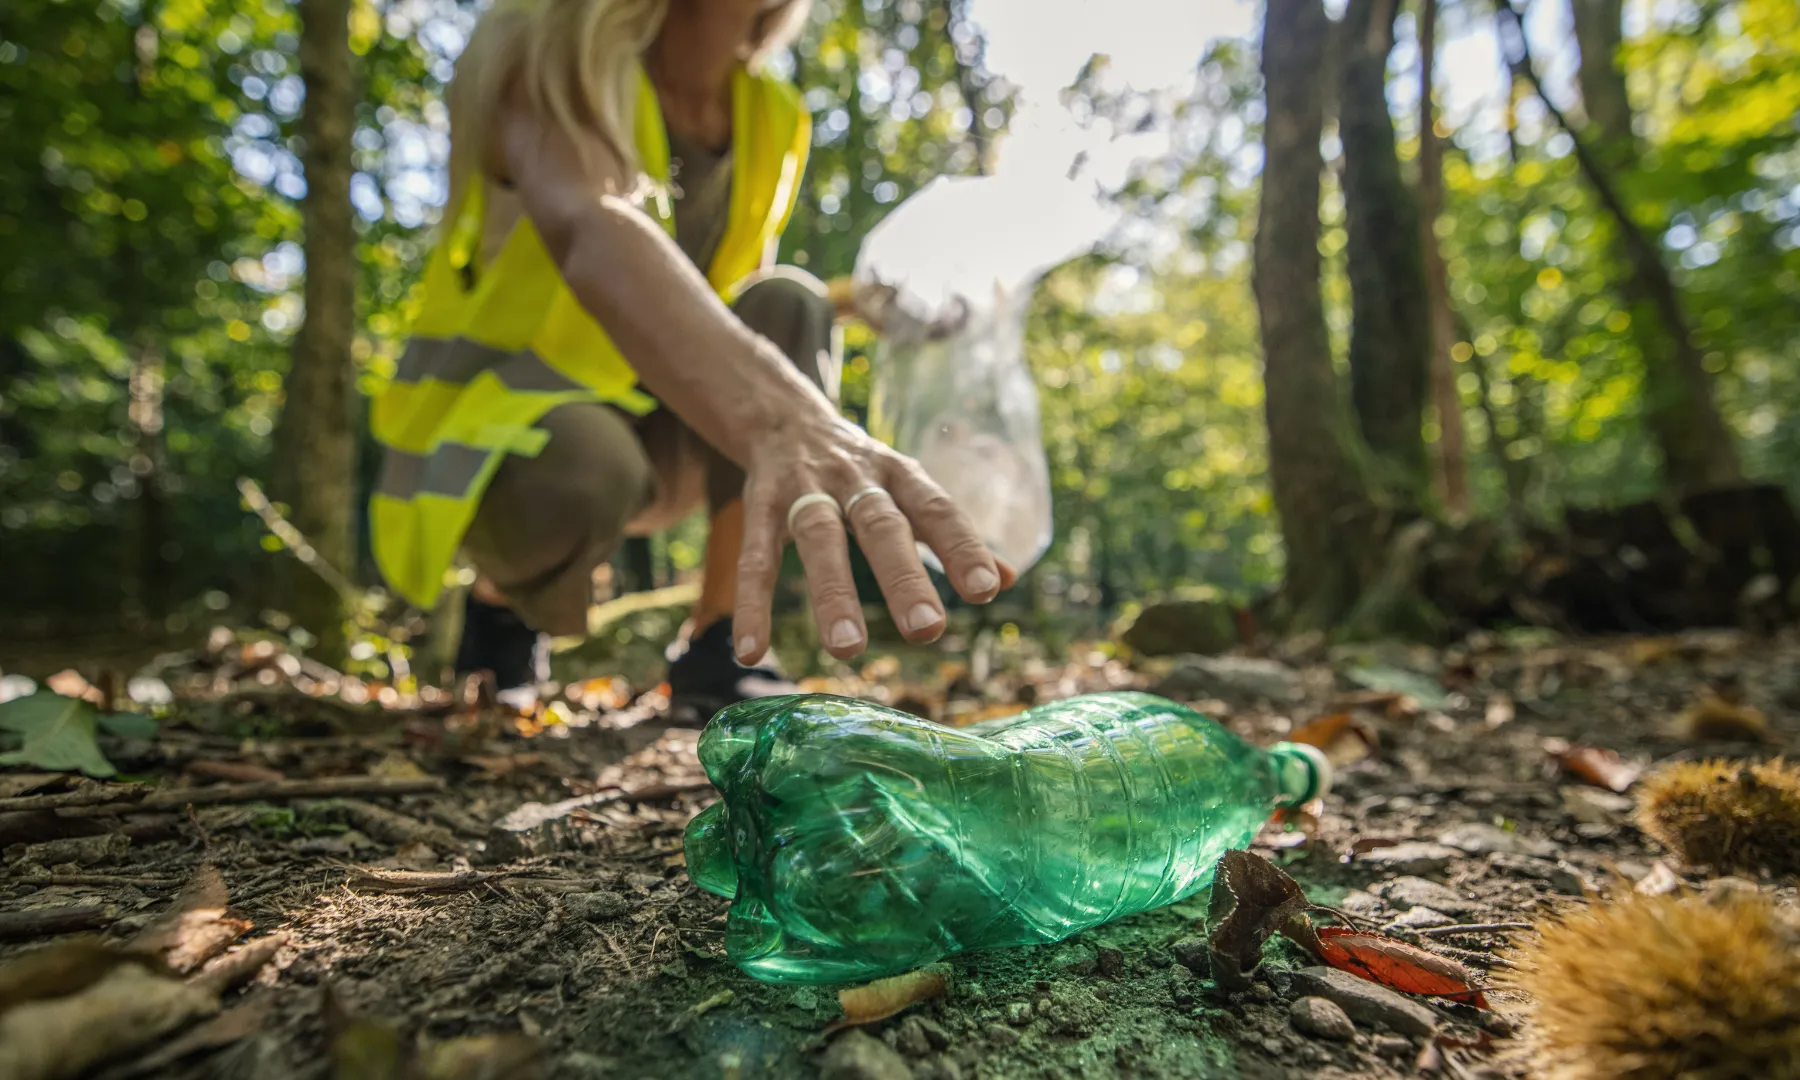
<point x="490" y="354"/>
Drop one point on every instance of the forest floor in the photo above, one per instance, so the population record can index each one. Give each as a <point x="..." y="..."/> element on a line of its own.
<point x="443" y="918"/>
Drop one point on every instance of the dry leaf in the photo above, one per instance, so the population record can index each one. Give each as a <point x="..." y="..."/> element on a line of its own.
<point x="1711" y="718"/>
<point x="1251" y="899"/>
<point x="397" y="766"/>
<point x="1595" y="765"/>
<point x="1398" y="965"/>
<point x="1341" y="736"/>
<point x="123" y="1012"/>
<point x="1362" y="845"/>
<point x="58" y="970"/>
<point x="885" y="997"/>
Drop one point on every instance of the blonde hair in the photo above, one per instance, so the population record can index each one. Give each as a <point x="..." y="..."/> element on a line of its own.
<point x="577" y="63"/>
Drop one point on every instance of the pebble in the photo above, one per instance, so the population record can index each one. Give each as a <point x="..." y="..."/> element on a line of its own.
<point x="806" y="998"/>
<point x="1392" y="1046"/>
<point x="1321" y="1018"/>
<point x="1072" y="1010"/>
<point x="1591" y="806"/>
<point x="1412" y="858"/>
<point x="1480" y="838"/>
<point x="856" y="1055"/>
<point x="919" y="1036"/>
<point x="1357" y="902"/>
<point x="1192" y="953"/>
<point x="1001" y="1035"/>
<point x="1018" y="1014"/>
<point x="1077" y="959"/>
<point x="1420" y="918"/>
<point x="1110" y="963"/>
<point x="1405" y="892"/>
<point x="597" y="906"/>
<point x="1365" y="1001"/>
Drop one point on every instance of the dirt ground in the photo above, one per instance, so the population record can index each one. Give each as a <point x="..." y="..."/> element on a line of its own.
<point x="446" y="913"/>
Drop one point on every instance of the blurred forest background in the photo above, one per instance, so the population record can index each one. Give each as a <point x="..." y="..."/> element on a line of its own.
<point x="1484" y="348"/>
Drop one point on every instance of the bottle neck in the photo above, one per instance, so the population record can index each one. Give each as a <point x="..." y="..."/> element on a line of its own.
<point x="1302" y="773"/>
<point x="706" y="847"/>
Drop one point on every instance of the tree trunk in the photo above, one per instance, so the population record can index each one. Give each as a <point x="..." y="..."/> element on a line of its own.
<point x="1599" y="31"/>
<point x="1327" y="517"/>
<point x="1451" y="460"/>
<point x="1390" y="331"/>
<point x="315" y="446"/>
<point x="1697" y="448"/>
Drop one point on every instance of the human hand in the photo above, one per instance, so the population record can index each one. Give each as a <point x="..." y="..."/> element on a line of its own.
<point x="816" y="480"/>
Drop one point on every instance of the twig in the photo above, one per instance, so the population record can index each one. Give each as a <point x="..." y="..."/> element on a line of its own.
<point x="295" y="541"/>
<point x="38" y="922"/>
<point x="101" y="879"/>
<point x="120" y="793"/>
<point x="533" y="814"/>
<point x="414" y="881"/>
<point x="1474" y="928"/>
<point x="274" y="791"/>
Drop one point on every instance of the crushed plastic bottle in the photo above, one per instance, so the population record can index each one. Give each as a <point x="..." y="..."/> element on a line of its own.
<point x="857" y="841"/>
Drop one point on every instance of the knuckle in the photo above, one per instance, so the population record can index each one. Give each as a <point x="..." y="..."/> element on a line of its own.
<point x="817" y="527"/>
<point x="833" y="595"/>
<point x="879" y="516"/>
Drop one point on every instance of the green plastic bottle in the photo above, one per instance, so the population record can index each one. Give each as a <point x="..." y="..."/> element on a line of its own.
<point x="857" y="841"/>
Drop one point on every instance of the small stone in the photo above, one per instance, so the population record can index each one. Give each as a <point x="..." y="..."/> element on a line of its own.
<point x="909" y="1039"/>
<point x="1273" y="1045"/>
<point x="1076" y="959"/>
<point x="1072" y="1010"/>
<point x="1110" y="963"/>
<point x="1592" y="806"/>
<point x="1018" y="1014"/>
<point x="1392" y="1046"/>
<point x="1357" y="902"/>
<point x="1235" y="679"/>
<point x="1001" y="1035"/>
<point x="1261" y="993"/>
<point x="1321" y="1018"/>
<point x="806" y="998"/>
<point x="597" y="906"/>
<point x="1405" y="892"/>
<point x="1182" y="626"/>
<point x="645" y="881"/>
<point x="1412" y="858"/>
<point x="1366" y="1002"/>
<point x="1192" y="953"/>
<point x="1480" y="838"/>
<point x="918" y="1036"/>
<point x="1420" y="918"/>
<point x="856" y="1055"/>
<point x="938" y="1069"/>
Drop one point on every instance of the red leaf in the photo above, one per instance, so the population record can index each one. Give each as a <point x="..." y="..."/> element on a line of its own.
<point x="1398" y="965"/>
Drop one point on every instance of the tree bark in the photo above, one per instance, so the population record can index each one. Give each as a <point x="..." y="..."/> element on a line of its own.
<point x="1451" y="460"/>
<point x="1697" y="448"/>
<point x="315" y="446"/>
<point x="1390" y="331"/>
<point x="1327" y="516"/>
<point x="1599" y="31"/>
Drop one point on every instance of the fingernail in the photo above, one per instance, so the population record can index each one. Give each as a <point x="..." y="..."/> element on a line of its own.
<point x="746" y="648"/>
<point x="981" y="580"/>
<point x="920" y="617"/>
<point x="843" y="635"/>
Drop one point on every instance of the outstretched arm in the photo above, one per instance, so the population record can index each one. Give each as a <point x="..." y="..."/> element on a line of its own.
<point x="737" y="391"/>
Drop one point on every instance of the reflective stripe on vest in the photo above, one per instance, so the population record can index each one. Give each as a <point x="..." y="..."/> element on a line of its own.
<point x="487" y="360"/>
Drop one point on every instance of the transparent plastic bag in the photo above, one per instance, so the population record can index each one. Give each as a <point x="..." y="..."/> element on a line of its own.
<point x="967" y="251"/>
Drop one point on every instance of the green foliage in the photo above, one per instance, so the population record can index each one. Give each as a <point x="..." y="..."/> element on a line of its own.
<point x="56" y="733"/>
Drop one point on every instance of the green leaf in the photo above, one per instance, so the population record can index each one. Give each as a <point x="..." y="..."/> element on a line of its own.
<point x="59" y="734"/>
<point x="1420" y="688"/>
<point x="129" y="725"/>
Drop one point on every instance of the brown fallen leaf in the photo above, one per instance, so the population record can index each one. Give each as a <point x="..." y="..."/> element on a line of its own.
<point x="58" y="970"/>
<point x="1362" y="845"/>
<point x="127" y="1009"/>
<point x="1398" y="965"/>
<point x="886" y="997"/>
<point x="1251" y="899"/>
<point x="1712" y="718"/>
<point x="222" y="1030"/>
<point x="1341" y="736"/>
<point x="196" y="927"/>
<point x="1595" y="765"/>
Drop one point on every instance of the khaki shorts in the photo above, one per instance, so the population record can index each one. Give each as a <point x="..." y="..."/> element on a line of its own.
<point x="546" y="523"/>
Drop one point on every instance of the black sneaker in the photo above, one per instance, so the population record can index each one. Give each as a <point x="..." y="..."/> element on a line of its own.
<point x="496" y="640"/>
<point x="707" y="677"/>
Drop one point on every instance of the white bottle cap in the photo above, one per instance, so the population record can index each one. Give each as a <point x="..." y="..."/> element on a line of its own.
<point x="1321" y="768"/>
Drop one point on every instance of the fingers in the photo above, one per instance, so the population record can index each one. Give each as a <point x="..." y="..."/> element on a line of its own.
<point x="819" y="536"/>
<point x="887" y="542"/>
<point x="973" y="570"/>
<point x="759" y="565"/>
